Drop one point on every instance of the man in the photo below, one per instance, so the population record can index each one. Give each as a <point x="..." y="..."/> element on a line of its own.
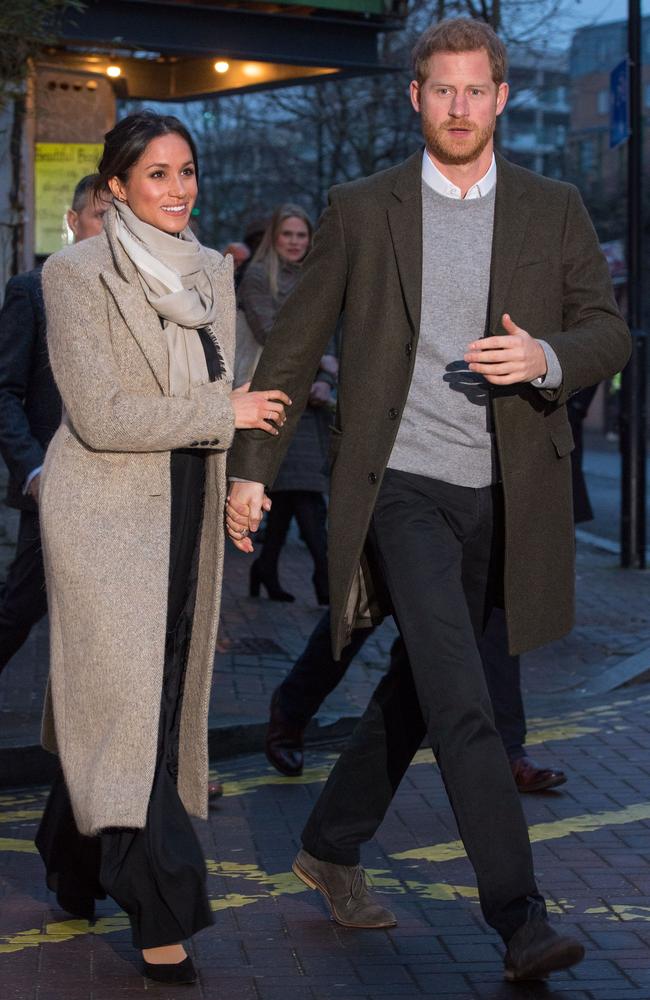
<point x="30" y="412"/>
<point x="475" y="300"/>
<point x="316" y="673"/>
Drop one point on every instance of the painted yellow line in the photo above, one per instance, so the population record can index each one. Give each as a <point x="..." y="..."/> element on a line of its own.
<point x="20" y="815"/>
<point x="233" y="786"/>
<point x="63" y="930"/>
<point x="586" y="823"/>
<point x="21" y="846"/>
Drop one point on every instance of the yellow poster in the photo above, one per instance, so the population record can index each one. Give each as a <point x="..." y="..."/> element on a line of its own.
<point x="58" y="166"/>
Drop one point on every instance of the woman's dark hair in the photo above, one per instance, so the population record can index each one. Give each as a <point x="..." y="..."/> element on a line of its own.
<point x="127" y="141"/>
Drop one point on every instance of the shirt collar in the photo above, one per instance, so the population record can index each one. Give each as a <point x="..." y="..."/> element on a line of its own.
<point x="442" y="185"/>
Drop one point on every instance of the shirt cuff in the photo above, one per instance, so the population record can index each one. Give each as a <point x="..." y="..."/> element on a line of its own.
<point x="553" y="377"/>
<point x="33" y="474"/>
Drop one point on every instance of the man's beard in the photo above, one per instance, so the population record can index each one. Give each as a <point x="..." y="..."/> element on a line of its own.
<point x="452" y="151"/>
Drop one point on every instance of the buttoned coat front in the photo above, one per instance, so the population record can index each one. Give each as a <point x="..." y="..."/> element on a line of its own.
<point x="105" y="516"/>
<point x="548" y="272"/>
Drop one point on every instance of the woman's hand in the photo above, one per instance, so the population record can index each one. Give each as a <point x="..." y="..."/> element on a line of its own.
<point x="259" y="409"/>
<point x="244" y="506"/>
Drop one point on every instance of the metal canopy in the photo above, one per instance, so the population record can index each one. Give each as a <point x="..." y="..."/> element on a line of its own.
<point x="168" y="51"/>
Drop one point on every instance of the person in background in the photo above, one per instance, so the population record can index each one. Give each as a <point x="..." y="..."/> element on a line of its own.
<point x="302" y="481"/>
<point x="30" y="412"/>
<point x="240" y="253"/>
<point x="253" y="235"/>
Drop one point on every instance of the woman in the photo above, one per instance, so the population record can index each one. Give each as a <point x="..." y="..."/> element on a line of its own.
<point x="302" y="479"/>
<point x="140" y="334"/>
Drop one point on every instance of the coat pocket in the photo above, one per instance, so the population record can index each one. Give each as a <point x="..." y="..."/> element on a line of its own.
<point x="562" y="438"/>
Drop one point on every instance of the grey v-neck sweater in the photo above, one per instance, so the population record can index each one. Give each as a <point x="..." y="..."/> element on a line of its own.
<point x="445" y="431"/>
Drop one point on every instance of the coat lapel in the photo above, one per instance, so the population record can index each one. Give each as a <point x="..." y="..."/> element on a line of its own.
<point x="405" y="223"/>
<point x="143" y="324"/>
<point x="511" y="213"/>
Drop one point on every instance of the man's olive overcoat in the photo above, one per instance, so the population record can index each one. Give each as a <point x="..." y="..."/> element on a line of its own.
<point x="548" y="272"/>
<point x="105" y="517"/>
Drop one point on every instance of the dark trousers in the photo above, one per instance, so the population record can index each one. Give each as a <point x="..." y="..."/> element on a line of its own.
<point x="23" y="600"/>
<point x="437" y="546"/>
<point x="310" y="511"/>
<point x="316" y="674"/>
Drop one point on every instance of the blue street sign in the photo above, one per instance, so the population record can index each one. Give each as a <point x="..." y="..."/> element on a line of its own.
<point x="619" y="107"/>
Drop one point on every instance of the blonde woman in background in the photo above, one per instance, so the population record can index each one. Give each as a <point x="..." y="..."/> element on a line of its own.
<point x="302" y="480"/>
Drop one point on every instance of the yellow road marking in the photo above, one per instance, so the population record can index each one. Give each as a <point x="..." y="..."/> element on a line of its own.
<point x="586" y="823"/>
<point x="20" y="815"/>
<point x="233" y="786"/>
<point x="14" y="844"/>
<point x="63" y="930"/>
<point x="241" y="786"/>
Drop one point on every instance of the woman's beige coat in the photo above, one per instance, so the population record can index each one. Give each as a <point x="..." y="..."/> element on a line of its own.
<point x="105" y="516"/>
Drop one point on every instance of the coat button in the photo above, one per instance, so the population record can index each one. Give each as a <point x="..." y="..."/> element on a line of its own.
<point x="214" y="441"/>
<point x="393" y="413"/>
<point x="372" y="478"/>
<point x="409" y="349"/>
<point x="194" y="444"/>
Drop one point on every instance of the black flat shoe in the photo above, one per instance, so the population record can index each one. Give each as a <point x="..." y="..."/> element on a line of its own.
<point x="179" y="973"/>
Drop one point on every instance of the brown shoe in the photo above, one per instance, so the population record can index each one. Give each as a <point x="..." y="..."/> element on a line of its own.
<point x="535" y="950"/>
<point x="344" y="887"/>
<point x="531" y="778"/>
<point x="284" y="745"/>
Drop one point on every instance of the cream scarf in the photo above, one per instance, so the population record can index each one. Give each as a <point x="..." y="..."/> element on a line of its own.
<point x="177" y="278"/>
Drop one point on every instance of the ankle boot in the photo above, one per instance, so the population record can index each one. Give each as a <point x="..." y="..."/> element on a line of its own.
<point x="271" y="583"/>
<point x="321" y="586"/>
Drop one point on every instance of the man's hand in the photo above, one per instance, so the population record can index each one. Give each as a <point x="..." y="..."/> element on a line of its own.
<point x="244" y="507"/>
<point x="319" y="393"/>
<point x="34" y="487"/>
<point x="516" y="357"/>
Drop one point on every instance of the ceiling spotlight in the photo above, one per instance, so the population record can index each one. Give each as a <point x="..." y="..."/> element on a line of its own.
<point x="222" y="66"/>
<point x="113" y="72"/>
<point x="252" y="69"/>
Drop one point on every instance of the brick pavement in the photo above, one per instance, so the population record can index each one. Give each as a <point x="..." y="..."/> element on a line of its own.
<point x="272" y="939"/>
<point x="261" y="638"/>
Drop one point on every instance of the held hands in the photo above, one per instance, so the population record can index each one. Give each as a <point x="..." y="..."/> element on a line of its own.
<point x="516" y="357"/>
<point x="244" y="507"/>
<point x="259" y="409"/>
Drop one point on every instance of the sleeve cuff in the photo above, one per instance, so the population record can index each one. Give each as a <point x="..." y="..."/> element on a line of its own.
<point x="32" y="475"/>
<point x="553" y="377"/>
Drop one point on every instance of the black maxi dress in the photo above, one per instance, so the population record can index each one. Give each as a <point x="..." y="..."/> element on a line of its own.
<point x="156" y="874"/>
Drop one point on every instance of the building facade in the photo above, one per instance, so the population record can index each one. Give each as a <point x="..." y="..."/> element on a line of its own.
<point x="534" y="126"/>
<point x="595" y="52"/>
